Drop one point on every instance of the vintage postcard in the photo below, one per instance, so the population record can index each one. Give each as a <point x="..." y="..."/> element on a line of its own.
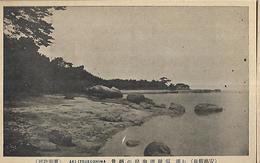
<point x="129" y="81"/>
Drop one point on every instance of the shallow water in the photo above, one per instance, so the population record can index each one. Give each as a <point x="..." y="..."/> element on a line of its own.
<point x="224" y="133"/>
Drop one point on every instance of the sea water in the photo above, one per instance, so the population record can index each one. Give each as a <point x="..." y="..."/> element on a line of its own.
<point x="223" y="133"/>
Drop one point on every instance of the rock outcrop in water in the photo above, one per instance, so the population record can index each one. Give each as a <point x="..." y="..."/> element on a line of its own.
<point x="157" y="149"/>
<point x="104" y="92"/>
<point x="177" y="109"/>
<point x="206" y="108"/>
<point x="135" y="98"/>
<point x="141" y="100"/>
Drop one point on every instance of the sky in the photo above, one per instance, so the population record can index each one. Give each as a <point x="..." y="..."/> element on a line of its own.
<point x="204" y="47"/>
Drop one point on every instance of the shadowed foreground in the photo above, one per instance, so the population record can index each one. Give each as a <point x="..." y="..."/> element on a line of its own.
<point x="53" y="126"/>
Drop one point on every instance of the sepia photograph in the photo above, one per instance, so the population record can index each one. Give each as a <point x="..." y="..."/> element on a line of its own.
<point x="83" y="81"/>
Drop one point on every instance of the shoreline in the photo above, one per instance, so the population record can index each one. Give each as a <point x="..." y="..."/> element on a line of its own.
<point x="89" y="121"/>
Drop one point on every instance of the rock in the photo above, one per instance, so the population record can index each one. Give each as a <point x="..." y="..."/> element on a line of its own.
<point x="115" y="89"/>
<point x="157" y="149"/>
<point x="177" y="108"/>
<point x="182" y="86"/>
<point x="135" y="98"/>
<point x="60" y="138"/>
<point x="205" y="108"/>
<point x="69" y="97"/>
<point x="132" y="143"/>
<point x="45" y="146"/>
<point x="149" y="103"/>
<point x="104" y="92"/>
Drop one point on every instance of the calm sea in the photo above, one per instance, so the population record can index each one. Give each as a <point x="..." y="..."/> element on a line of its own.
<point x="224" y="133"/>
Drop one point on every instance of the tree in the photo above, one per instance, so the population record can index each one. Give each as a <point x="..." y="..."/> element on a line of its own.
<point x="25" y="30"/>
<point x="61" y="63"/>
<point x="29" y="22"/>
<point x="28" y="72"/>
<point x="165" y="81"/>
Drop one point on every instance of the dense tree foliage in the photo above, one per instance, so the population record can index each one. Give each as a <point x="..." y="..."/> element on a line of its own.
<point x="146" y="85"/>
<point x="26" y="71"/>
<point x="29" y="22"/>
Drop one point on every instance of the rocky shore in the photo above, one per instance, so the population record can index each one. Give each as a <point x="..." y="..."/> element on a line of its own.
<point x="52" y="125"/>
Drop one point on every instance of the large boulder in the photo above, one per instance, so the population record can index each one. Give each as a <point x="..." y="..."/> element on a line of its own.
<point x="157" y="149"/>
<point x="205" y="108"/>
<point x="177" y="108"/>
<point x="136" y="98"/>
<point x="60" y="138"/>
<point x="115" y="89"/>
<point x="104" y="92"/>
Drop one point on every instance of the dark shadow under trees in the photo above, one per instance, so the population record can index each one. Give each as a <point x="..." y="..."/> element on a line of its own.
<point x="28" y="72"/>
